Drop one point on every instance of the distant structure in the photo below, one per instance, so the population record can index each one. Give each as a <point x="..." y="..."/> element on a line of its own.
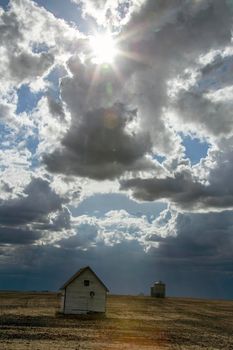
<point x="83" y="293"/>
<point x="158" y="290"/>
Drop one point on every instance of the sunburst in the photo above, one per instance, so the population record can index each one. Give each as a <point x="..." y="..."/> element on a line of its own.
<point x="103" y="48"/>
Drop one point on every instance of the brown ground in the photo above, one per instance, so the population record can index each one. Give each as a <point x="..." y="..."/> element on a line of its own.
<point x="28" y="321"/>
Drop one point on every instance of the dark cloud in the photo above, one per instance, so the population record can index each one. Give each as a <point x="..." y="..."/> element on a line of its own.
<point x="187" y="191"/>
<point x="36" y="203"/>
<point x="205" y="116"/>
<point x="205" y="106"/>
<point x="181" y="189"/>
<point x="56" y="108"/>
<point x="6" y="187"/>
<point x="200" y="252"/>
<point x="61" y="220"/>
<point x="12" y="235"/>
<point x="10" y="29"/>
<point x="27" y="65"/>
<point x="201" y="237"/>
<point x="25" y="219"/>
<point x="170" y="36"/>
<point x="99" y="143"/>
<point x="84" y="238"/>
<point x="89" y="87"/>
<point x="100" y="147"/>
<point x="193" y="26"/>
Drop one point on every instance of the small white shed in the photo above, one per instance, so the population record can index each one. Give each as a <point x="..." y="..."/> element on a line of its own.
<point x="83" y="293"/>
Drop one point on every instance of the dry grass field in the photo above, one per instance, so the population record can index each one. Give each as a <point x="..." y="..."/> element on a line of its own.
<point x="28" y="321"/>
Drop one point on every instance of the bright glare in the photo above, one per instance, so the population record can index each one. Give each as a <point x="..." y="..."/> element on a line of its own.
<point x="103" y="48"/>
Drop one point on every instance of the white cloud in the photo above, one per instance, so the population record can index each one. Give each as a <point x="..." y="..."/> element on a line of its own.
<point x="50" y="127"/>
<point x="117" y="227"/>
<point x="25" y="27"/>
<point x="112" y="13"/>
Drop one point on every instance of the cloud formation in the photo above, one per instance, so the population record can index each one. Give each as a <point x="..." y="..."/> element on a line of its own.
<point x="190" y="190"/>
<point x="69" y="124"/>
<point x="109" y="12"/>
<point x="100" y="147"/>
<point x="147" y="63"/>
<point x="26" y="218"/>
<point x="31" y="38"/>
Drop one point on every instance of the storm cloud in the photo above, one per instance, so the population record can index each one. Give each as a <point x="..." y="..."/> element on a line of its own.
<point x="100" y="147"/>
<point x="27" y="217"/>
<point x="206" y="188"/>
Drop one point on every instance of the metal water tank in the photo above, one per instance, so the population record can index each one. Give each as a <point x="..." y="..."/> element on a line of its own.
<point x="158" y="290"/>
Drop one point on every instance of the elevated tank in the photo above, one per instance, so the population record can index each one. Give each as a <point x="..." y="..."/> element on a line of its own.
<point x="158" y="290"/>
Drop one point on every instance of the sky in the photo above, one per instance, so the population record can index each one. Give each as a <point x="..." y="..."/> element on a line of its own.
<point x="116" y="149"/>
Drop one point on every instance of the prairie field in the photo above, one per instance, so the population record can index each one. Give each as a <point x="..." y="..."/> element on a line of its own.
<point x="29" y="321"/>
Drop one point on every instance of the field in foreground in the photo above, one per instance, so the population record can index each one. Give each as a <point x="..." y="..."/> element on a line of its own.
<point x="28" y="321"/>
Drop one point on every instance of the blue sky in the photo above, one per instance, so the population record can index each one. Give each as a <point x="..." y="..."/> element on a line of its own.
<point x="141" y="175"/>
<point x="26" y="99"/>
<point x="4" y="3"/>
<point x="195" y="149"/>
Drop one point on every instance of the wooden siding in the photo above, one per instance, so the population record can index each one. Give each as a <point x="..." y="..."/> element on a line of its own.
<point x="77" y="296"/>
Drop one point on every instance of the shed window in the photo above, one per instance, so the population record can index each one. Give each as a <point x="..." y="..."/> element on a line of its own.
<point x="86" y="283"/>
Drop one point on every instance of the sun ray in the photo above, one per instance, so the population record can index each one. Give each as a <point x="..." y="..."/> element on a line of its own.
<point x="108" y="49"/>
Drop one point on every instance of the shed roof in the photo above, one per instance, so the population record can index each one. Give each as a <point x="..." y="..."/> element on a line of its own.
<point x="78" y="274"/>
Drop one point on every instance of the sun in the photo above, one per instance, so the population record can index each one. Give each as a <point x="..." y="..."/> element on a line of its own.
<point x="103" y="49"/>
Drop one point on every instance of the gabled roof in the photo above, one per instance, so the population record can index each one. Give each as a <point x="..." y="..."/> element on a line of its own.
<point x="78" y="274"/>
